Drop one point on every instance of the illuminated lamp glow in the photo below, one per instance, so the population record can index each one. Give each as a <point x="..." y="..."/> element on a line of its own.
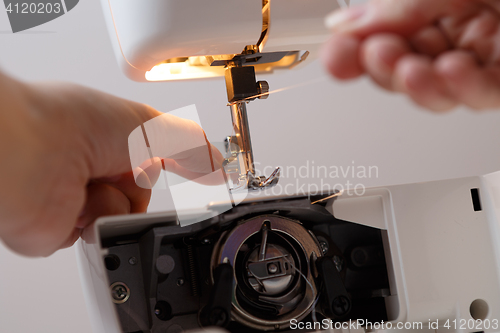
<point x="182" y="71"/>
<point x="198" y="68"/>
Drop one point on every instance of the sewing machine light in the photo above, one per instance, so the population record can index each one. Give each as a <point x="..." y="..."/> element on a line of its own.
<point x="150" y="36"/>
<point x="202" y="67"/>
<point x="182" y="71"/>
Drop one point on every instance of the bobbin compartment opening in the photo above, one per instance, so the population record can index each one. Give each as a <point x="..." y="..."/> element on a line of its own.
<point x="281" y="250"/>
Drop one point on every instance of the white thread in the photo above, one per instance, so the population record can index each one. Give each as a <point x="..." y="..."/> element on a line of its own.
<point x="313" y="312"/>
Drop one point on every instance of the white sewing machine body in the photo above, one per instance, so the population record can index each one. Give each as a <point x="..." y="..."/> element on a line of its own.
<point x="160" y="40"/>
<point x="440" y="243"/>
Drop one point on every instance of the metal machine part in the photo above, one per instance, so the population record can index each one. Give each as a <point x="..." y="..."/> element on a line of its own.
<point x="271" y="257"/>
<point x="120" y="293"/>
<point x="254" y="268"/>
<point x="241" y="88"/>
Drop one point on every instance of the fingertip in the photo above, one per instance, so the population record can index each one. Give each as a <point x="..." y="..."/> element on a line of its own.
<point x="340" y="56"/>
<point x="430" y="41"/>
<point x="412" y="73"/>
<point x="379" y="55"/>
<point x="455" y="65"/>
<point x="475" y="86"/>
<point x="147" y="174"/>
<point x="217" y="157"/>
<point x="396" y="16"/>
<point x="387" y="48"/>
<point x="342" y="18"/>
<point x="415" y="76"/>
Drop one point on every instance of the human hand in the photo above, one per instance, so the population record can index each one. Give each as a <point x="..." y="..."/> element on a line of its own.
<point x="441" y="53"/>
<point x="65" y="161"/>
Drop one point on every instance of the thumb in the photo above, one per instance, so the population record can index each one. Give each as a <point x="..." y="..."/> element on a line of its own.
<point x="104" y="128"/>
<point x="403" y="17"/>
<point x="173" y="138"/>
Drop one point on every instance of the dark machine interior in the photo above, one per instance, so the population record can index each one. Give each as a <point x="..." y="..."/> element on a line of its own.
<point x="162" y="279"/>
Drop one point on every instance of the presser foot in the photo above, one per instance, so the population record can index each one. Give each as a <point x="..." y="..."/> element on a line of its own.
<point x="248" y="181"/>
<point x="261" y="182"/>
<point x="240" y="175"/>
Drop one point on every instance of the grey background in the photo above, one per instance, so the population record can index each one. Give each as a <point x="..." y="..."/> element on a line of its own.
<point x="327" y="122"/>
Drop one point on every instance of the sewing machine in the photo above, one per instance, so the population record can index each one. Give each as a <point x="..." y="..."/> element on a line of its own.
<point x="419" y="253"/>
<point x="174" y="40"/>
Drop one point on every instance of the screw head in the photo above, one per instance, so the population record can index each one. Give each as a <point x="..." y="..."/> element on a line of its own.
<point x="250" y="49"/>
<point x="338" y="263"/>
<point x="120" y="293"/>
<point x="324" y="247"/>
<point x="180" y="282"/>
<point x="218" y="317"/>
<point x="341" y="305"/>
<point x="132" y="261"/>
<point x="263" y="89"/>
<point x="272" y="268"/>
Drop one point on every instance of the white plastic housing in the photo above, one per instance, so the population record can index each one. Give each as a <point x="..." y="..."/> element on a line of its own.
<point x="299" y="25"/>
<point x="441" y="254"/>
<point x="147" y="33"/>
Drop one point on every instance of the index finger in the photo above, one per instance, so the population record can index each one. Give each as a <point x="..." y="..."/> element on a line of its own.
<point x="403" y="17"/>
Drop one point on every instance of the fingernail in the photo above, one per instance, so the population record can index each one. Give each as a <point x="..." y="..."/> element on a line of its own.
<point x="340" y="17"/>
<point x="81" y="223"/>
<point x="142" y="179"/>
